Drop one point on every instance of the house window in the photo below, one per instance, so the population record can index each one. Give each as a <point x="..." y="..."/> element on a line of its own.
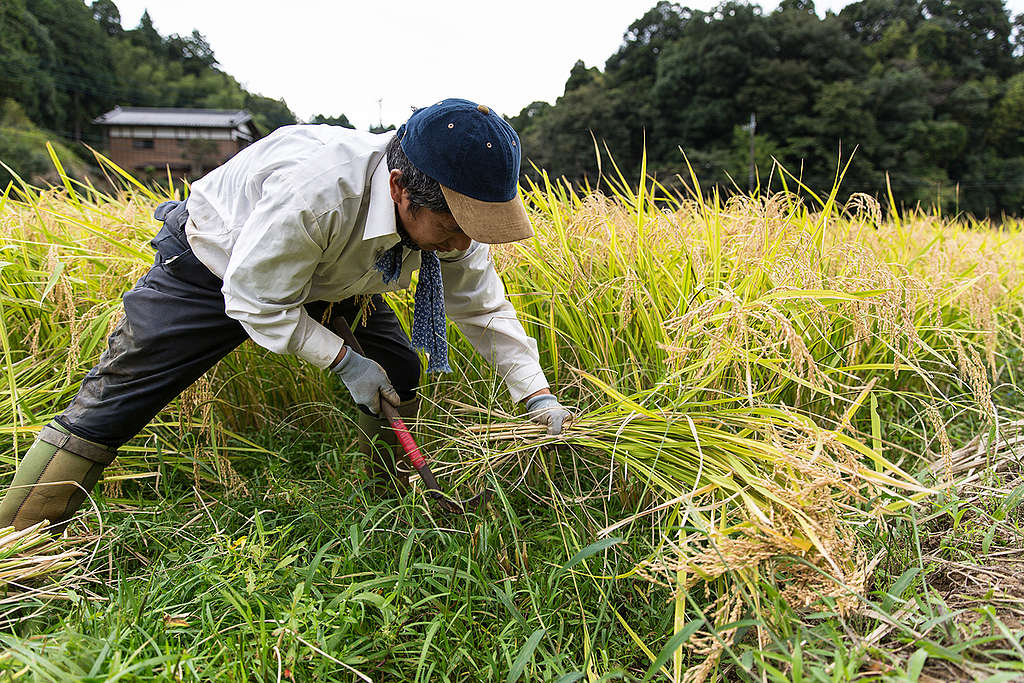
<point x="142" y="144"/>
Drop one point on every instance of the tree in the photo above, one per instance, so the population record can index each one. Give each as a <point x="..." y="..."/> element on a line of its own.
<point x="23" y="148"/>
<point x="1006" y="132"/>
<point x="25" y="49"/>
<point x="563" y="138"/>
<point x="977" y="36"/>
<point x="867" y="21"/>
<point x="194" y="52"/>
<point x="107" y="15"/>
<point x="269" y="114"/>
<point x="182" y="72"/>
<point x="699" y="79"/>
<point x="645" y="39"/>
<point x="843" y="126"/>
<point x="146" y="35"/>
<point x="1017" y="38"/>
<point x="81" y="65"/>
<point x="736" y="166"/>
<point x="580" y="75"/>
<point x="339" y="120"/>
<point x="530" y="115"/>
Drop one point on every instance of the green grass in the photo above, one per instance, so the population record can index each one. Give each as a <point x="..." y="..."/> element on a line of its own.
<point x="307" y="575"/>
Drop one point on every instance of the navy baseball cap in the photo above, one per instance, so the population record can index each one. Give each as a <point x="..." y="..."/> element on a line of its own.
<point x="474" y="155"/>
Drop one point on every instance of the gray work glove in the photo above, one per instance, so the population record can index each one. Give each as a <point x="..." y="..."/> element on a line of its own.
<point x="366" y="381"/>
<point x="545" y="409"/>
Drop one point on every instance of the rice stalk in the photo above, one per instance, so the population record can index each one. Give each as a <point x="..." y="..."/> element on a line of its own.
<point x="717" y="350"/>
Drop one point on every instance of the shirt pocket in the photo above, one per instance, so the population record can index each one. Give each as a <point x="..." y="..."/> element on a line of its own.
<point x="372" y="282"/>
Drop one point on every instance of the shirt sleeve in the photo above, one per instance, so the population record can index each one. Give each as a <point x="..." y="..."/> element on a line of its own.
<point x="475" y="299"/>
<point x="268" y="276"/>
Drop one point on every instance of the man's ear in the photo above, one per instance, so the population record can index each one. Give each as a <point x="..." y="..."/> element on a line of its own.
<point x="396" y="189"/>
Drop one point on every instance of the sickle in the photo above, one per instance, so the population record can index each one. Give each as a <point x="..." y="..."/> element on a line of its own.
<point x="415" y="455"/>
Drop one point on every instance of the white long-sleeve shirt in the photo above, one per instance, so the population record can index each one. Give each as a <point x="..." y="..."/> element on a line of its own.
<point x="303" y="215"/>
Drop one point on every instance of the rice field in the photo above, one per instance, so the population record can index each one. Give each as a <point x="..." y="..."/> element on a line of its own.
<point x="795" y="457"/>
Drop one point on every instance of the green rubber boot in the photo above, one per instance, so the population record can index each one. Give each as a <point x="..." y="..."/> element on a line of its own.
<point x="386" y="462"/>
<point x="53" y="479"/>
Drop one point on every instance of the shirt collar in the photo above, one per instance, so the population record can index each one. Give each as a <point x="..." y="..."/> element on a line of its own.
<point x="380" y="216"/>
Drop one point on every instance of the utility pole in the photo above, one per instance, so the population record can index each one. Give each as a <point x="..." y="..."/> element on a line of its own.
<point x="380" y="115"/>
<point x="753" y="168"/>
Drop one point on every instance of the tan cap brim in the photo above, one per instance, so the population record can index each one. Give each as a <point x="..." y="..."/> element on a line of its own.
<point x="489" y="222"/>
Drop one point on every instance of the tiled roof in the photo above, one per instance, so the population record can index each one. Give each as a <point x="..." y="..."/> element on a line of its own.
<point x="160" y="116"/>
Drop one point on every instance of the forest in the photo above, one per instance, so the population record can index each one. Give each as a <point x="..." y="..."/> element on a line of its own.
<point x="920" y="98"/>
<point x="927" y="95"/>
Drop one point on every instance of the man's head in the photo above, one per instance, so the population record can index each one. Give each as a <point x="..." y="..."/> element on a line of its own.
<point x="455" y="176"/>
<point x="422" y="209"/>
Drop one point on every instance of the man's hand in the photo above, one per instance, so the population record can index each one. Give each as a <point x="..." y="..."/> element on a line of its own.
<point x="544" y="409"/>
<point x="365" y="380"/>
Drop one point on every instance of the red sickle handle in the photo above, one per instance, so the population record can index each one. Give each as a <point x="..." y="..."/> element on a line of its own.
<point x="417" y="459"/>
<point x="405" y="438"/>
<point x="391" y="413"/>
<point x="412" y="450"/>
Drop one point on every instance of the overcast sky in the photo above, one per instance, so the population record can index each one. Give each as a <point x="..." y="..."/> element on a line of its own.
<point x="338" y="56"/>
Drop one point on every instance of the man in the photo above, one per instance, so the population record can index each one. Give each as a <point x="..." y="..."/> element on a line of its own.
<point x="307" y="216"/>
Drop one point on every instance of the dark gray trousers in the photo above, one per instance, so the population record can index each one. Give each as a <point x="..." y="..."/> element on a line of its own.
<point x="174" y="329"/>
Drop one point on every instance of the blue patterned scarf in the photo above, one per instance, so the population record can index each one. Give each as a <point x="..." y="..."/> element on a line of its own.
<point x="429" y="326"/>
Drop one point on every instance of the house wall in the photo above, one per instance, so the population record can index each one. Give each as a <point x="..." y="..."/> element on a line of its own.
<point x="189" y="152"/>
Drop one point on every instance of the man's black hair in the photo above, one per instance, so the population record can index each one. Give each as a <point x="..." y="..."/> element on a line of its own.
<point x="424" y="191"/>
